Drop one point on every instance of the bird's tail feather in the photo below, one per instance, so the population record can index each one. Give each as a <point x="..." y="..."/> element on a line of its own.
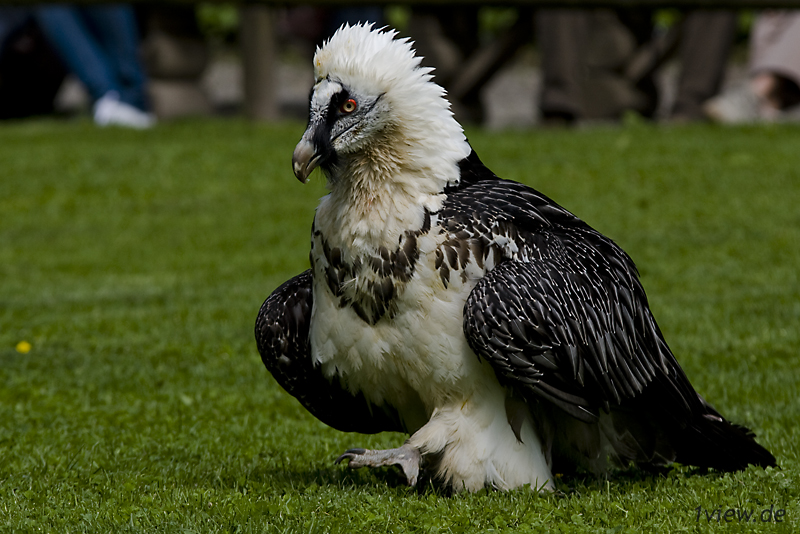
<point x="648" y="434"/>
<point x="711" y="441"/>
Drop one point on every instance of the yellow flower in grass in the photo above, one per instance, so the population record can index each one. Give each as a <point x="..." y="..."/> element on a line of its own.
<point x="23" y="347"/>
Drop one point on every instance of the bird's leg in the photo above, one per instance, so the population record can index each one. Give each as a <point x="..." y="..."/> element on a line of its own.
<point x="407" y="457"/>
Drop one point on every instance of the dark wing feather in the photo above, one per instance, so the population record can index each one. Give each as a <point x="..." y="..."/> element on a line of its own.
<point x="564" y="319"/>
<point x="550" y="332"/>
<point x="566" y="312"/>
<point x="281" y="333"/>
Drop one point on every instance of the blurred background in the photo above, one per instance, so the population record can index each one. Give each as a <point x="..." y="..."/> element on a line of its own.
<point x="133" y="263"/>
<point x="502" y="66"/>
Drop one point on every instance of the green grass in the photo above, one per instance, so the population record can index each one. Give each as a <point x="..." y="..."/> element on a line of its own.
<point x="134" y="264"/>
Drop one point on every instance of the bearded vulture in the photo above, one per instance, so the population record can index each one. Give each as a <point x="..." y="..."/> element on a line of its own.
<point x="507" y="337"/>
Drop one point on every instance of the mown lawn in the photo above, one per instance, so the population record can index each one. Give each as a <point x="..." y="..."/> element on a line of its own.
<point x="132" y="265"/>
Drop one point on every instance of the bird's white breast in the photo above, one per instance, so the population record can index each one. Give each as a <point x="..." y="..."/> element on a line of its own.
<point x="412" y="354"/>
<point x="419" y="356"/>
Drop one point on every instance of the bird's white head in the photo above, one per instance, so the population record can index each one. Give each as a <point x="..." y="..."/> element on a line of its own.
<point x="375" y="110"/>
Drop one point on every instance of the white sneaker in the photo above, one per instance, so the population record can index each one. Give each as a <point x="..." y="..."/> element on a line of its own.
<point x="740" y="105"/>
<point x="736" y="106"/>
<point x="109" y="110"/>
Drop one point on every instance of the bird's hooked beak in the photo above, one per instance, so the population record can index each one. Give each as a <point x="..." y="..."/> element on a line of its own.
<point x="305" y="157"/>
<point x="327" y="123"/>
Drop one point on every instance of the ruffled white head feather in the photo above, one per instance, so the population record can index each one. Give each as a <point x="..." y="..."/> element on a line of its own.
<point x="377" y="62"/>
<point x="372" y="57"/>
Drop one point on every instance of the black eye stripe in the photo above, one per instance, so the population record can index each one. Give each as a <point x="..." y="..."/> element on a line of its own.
<point x="333" y="111"/>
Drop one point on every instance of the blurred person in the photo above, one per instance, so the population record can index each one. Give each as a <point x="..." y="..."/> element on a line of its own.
<point x="100" y="45"/>
<point x="706" y="38"/>
<point x="11" y="19"/>
<point x="30" y="72"/>
<point x="773" y="91"/>
<point x="353" y="15"/>
<point x="598" y="64"/>
<point x="447" y="37"/>
<point x="562" y="36"/>
<point x="312" y="25"/>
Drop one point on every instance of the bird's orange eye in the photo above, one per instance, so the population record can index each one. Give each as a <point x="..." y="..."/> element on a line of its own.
<point x="349" y="106"/>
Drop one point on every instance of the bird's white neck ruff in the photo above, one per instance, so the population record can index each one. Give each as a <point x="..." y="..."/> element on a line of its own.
<point x="384" y="190"/>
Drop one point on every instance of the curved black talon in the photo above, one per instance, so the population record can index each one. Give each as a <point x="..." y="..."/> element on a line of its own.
<point x="407" y="457"/>
<point x="349" y="454"/>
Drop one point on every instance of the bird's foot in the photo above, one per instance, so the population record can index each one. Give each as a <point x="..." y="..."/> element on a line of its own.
<point x="407" y="457"/>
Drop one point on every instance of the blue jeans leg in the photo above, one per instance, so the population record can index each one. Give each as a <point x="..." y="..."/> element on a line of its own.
<point x="67" y="31"/>
<point x="116" y="30"/>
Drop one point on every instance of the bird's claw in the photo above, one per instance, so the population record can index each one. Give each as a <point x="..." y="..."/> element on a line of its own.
<point x="351" y="455"/>
<point x="407" y="457"/>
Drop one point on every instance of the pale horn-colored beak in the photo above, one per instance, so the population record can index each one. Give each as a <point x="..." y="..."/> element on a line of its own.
<point x="305" y="159"/>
